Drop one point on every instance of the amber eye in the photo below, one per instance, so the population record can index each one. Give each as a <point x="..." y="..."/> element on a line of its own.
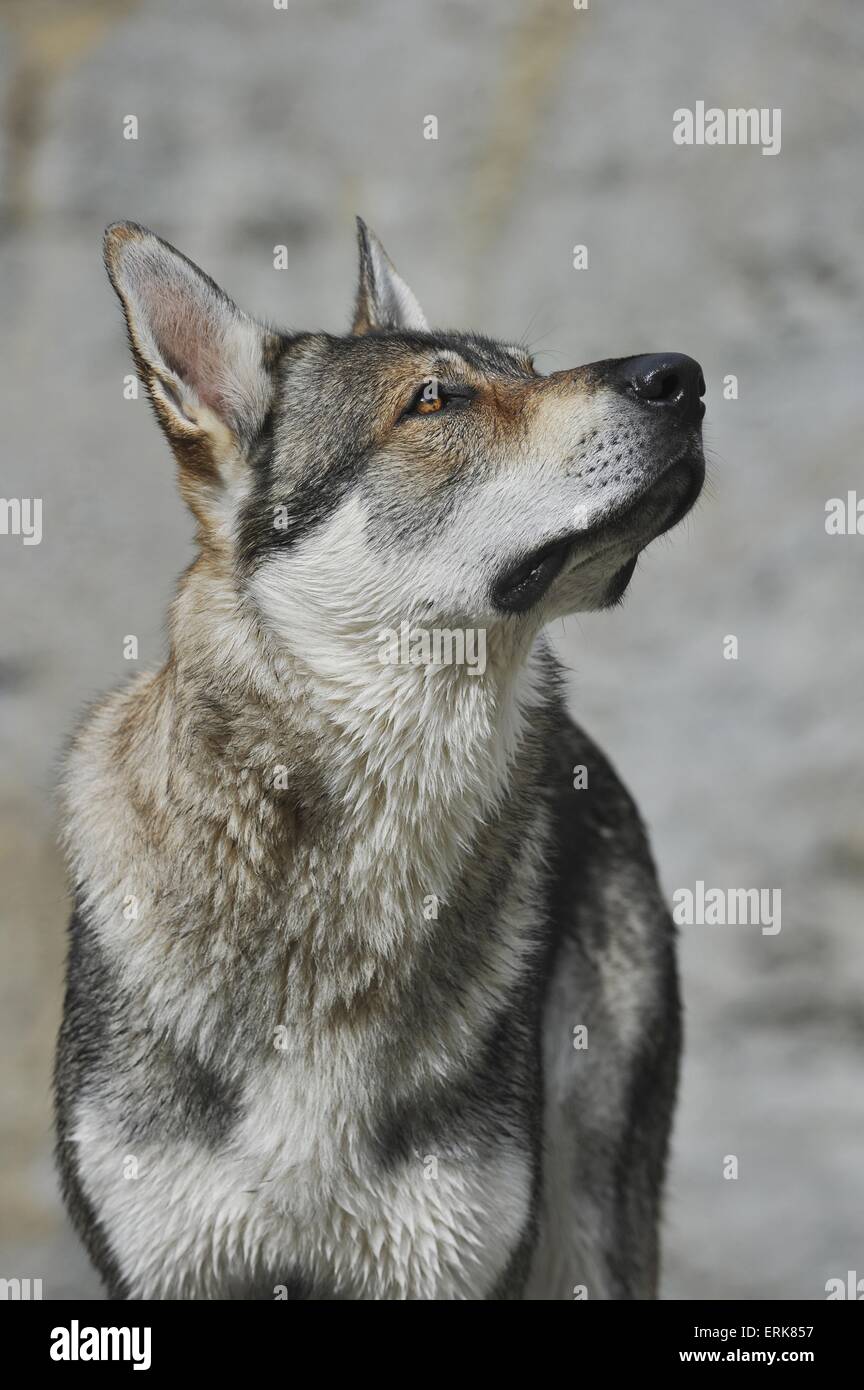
<point x="434" y="396"/>
<point x="428" y="398"/>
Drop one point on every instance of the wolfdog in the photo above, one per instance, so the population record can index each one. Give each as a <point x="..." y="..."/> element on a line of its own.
<point x="371" y="990"/>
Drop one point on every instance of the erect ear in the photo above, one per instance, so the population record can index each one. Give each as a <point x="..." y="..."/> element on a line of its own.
<point x="383" y="298"/>
<point x="204" y="362"/>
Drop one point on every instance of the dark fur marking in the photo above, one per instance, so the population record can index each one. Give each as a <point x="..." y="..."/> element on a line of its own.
<point x="80" y="1053"/>
<point x="175" y="1096"/>
<point x="184" y="1098"/>
<point x="321" y="484"/>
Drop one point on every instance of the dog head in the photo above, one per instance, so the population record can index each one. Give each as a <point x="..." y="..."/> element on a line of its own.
<point x="397" y="473"/>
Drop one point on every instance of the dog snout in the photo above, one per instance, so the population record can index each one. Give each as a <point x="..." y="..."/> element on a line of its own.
<point x="662" y="381"/>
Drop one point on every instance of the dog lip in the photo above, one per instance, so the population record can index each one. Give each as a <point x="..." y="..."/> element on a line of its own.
<point x="524" y="582"/>
<point x="623" y="525"/>
<point x="694" y="463"/>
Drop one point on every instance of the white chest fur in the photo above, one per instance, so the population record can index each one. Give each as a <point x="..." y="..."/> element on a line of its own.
<point x="295" y="1193"/>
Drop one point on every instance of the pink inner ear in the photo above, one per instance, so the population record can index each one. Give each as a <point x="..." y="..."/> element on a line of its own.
<point x="184" y="325"/>
<point x="192" y="343"/>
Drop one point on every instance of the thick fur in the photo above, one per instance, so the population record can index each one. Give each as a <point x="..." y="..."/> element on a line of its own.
<point x="337" y="920"/>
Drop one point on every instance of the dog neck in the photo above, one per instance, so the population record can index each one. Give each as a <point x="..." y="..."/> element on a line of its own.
<point x="301" y="837"/>
<point x="393" y="764"/>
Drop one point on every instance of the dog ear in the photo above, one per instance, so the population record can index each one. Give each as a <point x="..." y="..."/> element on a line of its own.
<point x="383" y="299"/>
<point x="204" y="362"/>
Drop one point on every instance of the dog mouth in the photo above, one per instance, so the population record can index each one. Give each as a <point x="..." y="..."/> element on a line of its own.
<point x="521" y="585"/>
<point x="650" y="513"/>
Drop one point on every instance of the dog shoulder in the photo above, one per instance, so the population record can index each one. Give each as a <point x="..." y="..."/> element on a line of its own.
<point x="608" y="919"/>
<point x="611" y="1035"/>
<point x="597" y="821"/>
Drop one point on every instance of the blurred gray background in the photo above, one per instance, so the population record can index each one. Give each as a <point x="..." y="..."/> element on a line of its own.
<point x="260" y="127"/>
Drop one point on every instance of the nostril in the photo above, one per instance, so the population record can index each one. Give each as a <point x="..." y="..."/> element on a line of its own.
<point x="658" y="384"/>
<point x="669" y="380"/>
<point x="670" y="387"/>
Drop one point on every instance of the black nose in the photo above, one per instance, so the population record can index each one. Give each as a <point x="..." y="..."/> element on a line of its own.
<point x="664" y="381"/>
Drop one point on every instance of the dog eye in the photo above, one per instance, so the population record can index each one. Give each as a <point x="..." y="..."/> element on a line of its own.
<point x="435" y="395"/>
<point x="429" y="398"/>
